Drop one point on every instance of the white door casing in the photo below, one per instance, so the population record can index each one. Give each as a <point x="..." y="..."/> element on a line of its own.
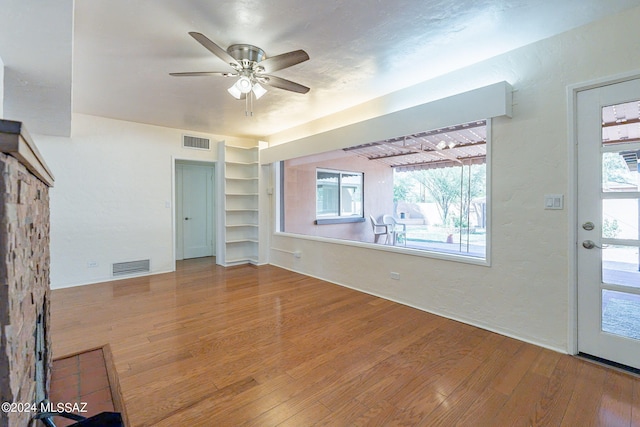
<point x="195" y="223"/>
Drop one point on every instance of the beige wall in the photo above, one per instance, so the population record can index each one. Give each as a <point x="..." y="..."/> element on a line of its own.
<point x="300" y="194"/>
<point x="528" y="291"/>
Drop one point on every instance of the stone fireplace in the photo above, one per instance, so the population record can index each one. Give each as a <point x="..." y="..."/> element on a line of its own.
<point x="25" y="347"/>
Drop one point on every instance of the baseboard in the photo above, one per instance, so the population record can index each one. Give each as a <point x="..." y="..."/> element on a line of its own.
<point x="476" y="324"/>
<point x="108" y="279"/>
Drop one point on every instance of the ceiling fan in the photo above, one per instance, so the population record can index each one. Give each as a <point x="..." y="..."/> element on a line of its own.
<point x="252" y="67"/>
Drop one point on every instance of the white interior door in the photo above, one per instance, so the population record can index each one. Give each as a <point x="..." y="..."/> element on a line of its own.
<point x="194" y="211"/>
<point x="608" y="130"/>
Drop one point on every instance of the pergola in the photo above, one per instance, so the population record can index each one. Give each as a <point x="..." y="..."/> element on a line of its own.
<point x="458" y="145"/>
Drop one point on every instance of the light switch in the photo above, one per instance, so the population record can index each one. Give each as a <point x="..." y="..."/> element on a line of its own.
<point x="554" y="201"/>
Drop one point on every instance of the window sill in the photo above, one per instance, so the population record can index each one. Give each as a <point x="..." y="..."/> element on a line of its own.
<point x="344" y="220"/>
<point x="484" y="262"/>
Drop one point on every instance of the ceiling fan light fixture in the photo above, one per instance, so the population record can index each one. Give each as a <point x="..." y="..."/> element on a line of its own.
<point x="249" y="63"/>
<point x="258" y="90"/>
<point x="235" y="92"/>
<point x="243" y="84"/>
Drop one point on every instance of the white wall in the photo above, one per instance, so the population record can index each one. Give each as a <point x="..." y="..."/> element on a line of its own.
<point x="112" y="199"/>
<point x="525" y="292"/>
<point x="1" y="88"/>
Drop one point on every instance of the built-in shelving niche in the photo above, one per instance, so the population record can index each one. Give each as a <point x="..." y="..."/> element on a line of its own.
<point x="239" y="198"/>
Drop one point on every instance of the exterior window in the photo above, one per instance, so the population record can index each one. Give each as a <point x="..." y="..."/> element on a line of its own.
<point x="338" y="194"/>
<point x="426" y="192"/>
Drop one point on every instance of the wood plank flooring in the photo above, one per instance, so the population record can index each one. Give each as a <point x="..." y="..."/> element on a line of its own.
<point x="262" y="346"/>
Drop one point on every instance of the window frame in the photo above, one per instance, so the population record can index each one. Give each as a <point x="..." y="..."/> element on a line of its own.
<point x="278" y="173"/>
<point x="340" y="217"/>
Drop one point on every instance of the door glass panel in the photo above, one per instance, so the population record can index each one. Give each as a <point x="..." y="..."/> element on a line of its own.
<point x="620" y="219"/>
<point x="621" y="313"/>
<point x="616" y="173"/>
<point x="619" y="123"/>
<point x="620" y="265"/>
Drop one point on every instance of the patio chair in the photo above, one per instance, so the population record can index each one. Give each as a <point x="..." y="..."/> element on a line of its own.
<point x="379" y="229"/>
<point x="396" y="229"/>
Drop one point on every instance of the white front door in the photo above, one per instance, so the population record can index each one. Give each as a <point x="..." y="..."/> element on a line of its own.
<point x="194" y="211"/>
<point x="608" y="133"/>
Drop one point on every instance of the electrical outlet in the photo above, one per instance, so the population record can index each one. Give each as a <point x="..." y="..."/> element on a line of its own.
<point x="395" y="276"/>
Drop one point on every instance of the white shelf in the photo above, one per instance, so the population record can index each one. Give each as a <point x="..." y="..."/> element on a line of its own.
<point x="243" y="163"/>
<point x="241" y="217"/>
<point x="240" y="199"/>
<point x="242" y="188"/>
<point x="237" y="147"/>
<point x="238" y="261"/>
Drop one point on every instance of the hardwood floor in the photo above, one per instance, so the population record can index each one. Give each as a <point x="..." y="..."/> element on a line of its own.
<point x="263" y="346"/>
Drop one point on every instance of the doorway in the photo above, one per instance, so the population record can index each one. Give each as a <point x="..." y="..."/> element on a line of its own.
<point x="608" y="258"/>
<point x="195" y="218"/>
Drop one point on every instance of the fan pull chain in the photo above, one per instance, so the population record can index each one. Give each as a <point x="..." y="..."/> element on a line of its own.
<point x="248" y="105"/>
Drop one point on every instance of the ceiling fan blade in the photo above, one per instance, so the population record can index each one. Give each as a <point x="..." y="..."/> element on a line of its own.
<point x="281" y="83"/>
<point x="204" y="73"/>
<point x="215" y="49"/>
<point x="285" y="60"/>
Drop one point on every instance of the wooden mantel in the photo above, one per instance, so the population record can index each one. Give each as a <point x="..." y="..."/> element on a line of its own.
<point x="16" y="142"/>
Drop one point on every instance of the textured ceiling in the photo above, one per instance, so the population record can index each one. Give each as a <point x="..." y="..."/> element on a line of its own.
<point x="36" y="42"/>
<point x="124" y="50"/>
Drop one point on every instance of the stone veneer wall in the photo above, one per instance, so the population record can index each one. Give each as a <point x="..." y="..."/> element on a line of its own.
<point x="24" y="284"/>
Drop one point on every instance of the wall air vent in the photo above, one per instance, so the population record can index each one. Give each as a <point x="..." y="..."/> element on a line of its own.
<point x="131" y="267"/>
<point x="196" y="142"/>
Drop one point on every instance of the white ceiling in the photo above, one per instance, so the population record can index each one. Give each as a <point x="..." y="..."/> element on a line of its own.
<point x="36" y="41"/>
<point x="124" y="50"/>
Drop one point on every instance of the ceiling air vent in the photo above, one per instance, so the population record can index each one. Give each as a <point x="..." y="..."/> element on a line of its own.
<point x="131" y="267"/>
<point x="196" y="142"/>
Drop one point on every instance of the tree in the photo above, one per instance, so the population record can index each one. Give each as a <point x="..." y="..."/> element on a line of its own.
<point x="610" y="228"/>
<point x="477" y="183"/>
<point x="402" y="188"/>
<point x="615" y="169"/>
<point x="443" y="186"/>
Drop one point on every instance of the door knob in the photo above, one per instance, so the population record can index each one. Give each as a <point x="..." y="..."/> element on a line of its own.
<point x="187" y="219"/>
<point x="588" y="244"/>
